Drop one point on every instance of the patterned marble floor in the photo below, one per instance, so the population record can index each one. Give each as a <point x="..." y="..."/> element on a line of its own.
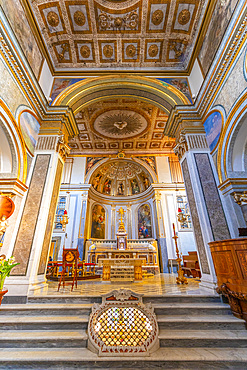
<point x="159" y="285"/>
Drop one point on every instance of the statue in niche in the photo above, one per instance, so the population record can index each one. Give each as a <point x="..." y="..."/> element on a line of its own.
<point x="135" y="186"/>
<point x="107" y="186"/>
<point x="120" y="189"/>
<point x="145" y="181"/>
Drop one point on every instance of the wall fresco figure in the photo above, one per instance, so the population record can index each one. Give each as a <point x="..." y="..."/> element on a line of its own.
<point x="98" y="222"/>
<point x="144" y="222"/>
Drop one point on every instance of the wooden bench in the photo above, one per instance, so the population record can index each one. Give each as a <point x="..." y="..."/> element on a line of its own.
<point x="191" y="265"/>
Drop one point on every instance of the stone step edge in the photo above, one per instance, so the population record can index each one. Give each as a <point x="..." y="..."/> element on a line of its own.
<point x="166" y="354"/>
<point x="160" y="318"/>
<point x="61" y="306"/>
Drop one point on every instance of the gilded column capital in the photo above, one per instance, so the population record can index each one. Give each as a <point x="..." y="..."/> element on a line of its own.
<point x="240" y="197"/>
<point x="181" y="147"/>
<point x="62" y="148"/>
<point x="190" y="141"/>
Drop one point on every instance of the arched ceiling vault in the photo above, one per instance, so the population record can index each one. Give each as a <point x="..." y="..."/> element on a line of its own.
<point x="120" y="113"/>
<point x="84" y="93"/>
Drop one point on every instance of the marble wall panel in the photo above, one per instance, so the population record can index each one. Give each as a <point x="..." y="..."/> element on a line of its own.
<point x="195" y="219"/>
<point x="24" y="239"/>
<point x="212" y="199"/>
<point x="50" y="220"/>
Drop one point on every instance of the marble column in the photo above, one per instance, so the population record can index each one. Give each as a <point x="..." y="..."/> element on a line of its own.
<point x="160" y="230"/>
<point x="206" y="205"/>
<point x="36" y="222"/>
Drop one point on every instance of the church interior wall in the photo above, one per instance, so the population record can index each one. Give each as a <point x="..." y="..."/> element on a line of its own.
<point x="195" y="79"/>
<point x="46" y="80"/>
<point x="161" y="225"/>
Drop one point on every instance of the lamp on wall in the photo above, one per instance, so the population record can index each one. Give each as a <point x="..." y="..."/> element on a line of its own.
<point x="65" y="219"/>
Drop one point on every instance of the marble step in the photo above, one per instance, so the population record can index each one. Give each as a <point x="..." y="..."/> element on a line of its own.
<point x="43" y="322"/>
<point x="188" y="298"/>
<point x="211" y="308"/>
<point x="200" y="322"/>
<point x="43" y="338"/>
<point x="77" y="299"/>
<point x="46" y="309"/>
<point x="203" y="338"/>
<point x="65" y="299"/>
<point x="164" y="358"/>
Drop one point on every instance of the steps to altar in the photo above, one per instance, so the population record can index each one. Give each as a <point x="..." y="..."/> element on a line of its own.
<point x="50" y="332"/>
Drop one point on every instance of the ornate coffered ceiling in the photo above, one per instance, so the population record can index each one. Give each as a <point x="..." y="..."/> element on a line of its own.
<point x="109" y="34"/>
<point x="118" y="124"/>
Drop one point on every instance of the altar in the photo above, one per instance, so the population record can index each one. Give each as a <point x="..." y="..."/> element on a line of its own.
<point x="142" y="253"/>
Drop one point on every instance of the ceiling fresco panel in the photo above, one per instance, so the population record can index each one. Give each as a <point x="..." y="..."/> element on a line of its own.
<point x="129" y="35"/>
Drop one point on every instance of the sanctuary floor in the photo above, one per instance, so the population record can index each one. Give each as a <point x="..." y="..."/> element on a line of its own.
<point x="159" y="285"/>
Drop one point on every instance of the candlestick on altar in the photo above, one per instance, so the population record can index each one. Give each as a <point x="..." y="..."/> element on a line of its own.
<point x="180" y="278"/>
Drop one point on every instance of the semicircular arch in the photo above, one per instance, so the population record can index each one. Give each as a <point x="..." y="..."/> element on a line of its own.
<point x="84" y="92"/>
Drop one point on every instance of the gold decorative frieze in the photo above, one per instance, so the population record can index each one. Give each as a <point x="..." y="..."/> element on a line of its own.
<point x="153" y="50"/>
<point x="131" y="50"/>
<point x="115" y="21"/>
<point x="53" y="19"/>
<point x="85" y="51"/>
<point x="79" y="17"/>
<point x="62" y="51"/>
<point x="184" y="16"/>
<point x="108" y="51"/>
<point x="176" y="49"/>
<point x="158" y="11"/>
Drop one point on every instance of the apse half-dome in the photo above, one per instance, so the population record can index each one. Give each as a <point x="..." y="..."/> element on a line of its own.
<point x="121" y="178"/>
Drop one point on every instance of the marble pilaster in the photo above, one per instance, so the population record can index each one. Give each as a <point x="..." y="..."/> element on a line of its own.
<point x="160" y="231"/>
<point x="80" y="217"/>
<point x="206" y="208"/>
<point x="32" y="242"/>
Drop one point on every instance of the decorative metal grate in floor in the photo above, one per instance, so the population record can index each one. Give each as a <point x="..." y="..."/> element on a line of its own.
<point x="122" y="324"/>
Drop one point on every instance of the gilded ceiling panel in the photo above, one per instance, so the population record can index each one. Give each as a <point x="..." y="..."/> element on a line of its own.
<point x="109" y="34"/>
<point x="120" y="124"/>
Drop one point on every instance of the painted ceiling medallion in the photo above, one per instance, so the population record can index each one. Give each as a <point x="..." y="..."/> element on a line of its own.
<point x="120" y="124"/>
<point x="184" y="17"/>
<point x="153" y="51"/>
<point x="79" y="18"/>
<point x="131" y="51"/>
<point x="108" y="51"/>
<point x="53" y="19"/>
<point x="85" y="51"/>
<point x="157" y="17"/>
